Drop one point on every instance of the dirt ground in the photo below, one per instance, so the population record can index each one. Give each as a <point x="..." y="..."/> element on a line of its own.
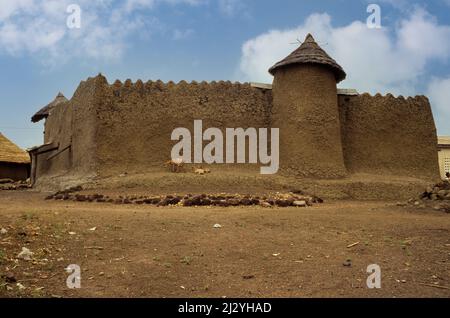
<point x="146" y="251"/>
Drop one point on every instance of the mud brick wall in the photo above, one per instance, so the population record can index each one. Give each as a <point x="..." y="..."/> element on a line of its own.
<point x="72" y="123"/>
<point x="388" y="135"/>
<point x="305" y="108"/>
<point x="126" y="127"/>
<point x="136" y="120"/>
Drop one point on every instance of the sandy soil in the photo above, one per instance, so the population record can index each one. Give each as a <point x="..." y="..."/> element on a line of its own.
<point x="144" y="251"/>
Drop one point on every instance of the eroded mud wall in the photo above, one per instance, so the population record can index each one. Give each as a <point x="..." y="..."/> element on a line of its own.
<point x="136" y="120"/>
<point x="388" y="135"/>
<point x="71" y="124"/>
<point x="58" y="131"/>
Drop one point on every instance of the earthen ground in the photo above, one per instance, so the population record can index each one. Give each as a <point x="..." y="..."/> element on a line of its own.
<point x="144" y="251"/>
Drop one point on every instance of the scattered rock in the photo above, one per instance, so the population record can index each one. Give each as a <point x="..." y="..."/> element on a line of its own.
<point x="246" y="202"/>
<point x="440" y="191"/>
<point x="246" y="277"/>
<point x="25" y="254"/>
<point x="442" y="194"/>
<point x="81" y="198"/>
<point x="347" y="263"/>
<point x="233" y="202"/>
<point x="217" y="226"/>
<point x="3" y="231"/>
<point x="300" y="203"/>
<point x="9" y="278"/>
<point x="317" y="199"/>
<point x="278" y="199"/>
<point x="282" y="203"/>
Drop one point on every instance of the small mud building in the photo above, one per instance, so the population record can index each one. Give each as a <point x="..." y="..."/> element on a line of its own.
<point x="444" y="154"/>
<point x="106" y="129"/>
<point x="14" y="162"/>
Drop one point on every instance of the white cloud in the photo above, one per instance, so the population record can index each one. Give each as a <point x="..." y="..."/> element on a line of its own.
<point x="38" y="27"/>
<point x="439" y="95"/>
<point x="376" y="60"/>
<point x="131" y="5"/>
<point x="10" y="7"/>
<point x="182" y="34"/>
<point x="230" y="7"/>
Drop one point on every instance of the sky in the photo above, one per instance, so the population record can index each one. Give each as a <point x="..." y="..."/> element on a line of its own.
<point x="237" y="40"/>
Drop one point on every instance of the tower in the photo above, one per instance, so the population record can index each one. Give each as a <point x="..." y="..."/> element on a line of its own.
<point x="305" y="108"/>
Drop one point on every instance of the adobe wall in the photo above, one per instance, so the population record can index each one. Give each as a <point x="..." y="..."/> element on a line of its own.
<point x="126" y="127"/>
<point x="72" y="123"/>
<point x="306" y="111"/>
<point x="388" y="135"/>
<point x="85" y="105"/>
<point x="58" y="130"/>
<point x="136" y="120"/>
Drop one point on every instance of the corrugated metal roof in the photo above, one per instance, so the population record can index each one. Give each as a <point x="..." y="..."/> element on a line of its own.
<point x="340" y="91"/>
<point x="261" y="85"/>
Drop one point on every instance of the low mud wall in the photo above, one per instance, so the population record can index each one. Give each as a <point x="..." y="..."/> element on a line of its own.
<point x="389" y="135"/>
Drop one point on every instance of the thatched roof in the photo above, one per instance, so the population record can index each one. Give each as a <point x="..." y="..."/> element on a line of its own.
<point x="9" y="152"/>
<point x="310" y="53"/>
<point x="45" y="111"/>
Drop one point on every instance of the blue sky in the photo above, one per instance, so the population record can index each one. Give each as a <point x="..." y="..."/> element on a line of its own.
<point x="214" y="40"/>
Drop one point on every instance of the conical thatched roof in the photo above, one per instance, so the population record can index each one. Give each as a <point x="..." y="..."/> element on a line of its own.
<point x="9" y="152"/>
<point x="310" y="53"/>
<point x="45" y="111"/>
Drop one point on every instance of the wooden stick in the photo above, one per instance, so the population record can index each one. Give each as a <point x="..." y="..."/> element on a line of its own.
<point x="93" y="248"/>
<point x="435" y="286"/>
<point x="352" y="245"/>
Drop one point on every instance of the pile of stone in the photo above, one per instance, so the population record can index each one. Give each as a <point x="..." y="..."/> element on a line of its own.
<point x="221" y="200"/>
<point x="438" y="195"/>
<point x="9" y="184"/>
<point x="440" y="191"/>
